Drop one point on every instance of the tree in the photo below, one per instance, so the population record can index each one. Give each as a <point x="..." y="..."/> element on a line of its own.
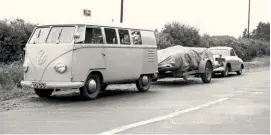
<point x="245" y="33"/>
<point x="262" y="32"/>
<point x="179" y="34"/>
<point x="163" y="40"/>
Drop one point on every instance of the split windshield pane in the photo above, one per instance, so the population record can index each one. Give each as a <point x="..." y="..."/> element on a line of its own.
<point x="61" y="35"/>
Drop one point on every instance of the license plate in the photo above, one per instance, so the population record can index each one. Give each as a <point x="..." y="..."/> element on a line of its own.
<point x="38" y="85"/>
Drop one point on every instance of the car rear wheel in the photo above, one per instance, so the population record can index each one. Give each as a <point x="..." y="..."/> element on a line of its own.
<point x="44" y="92"/>
<point x="104" y="86"/>
<point x="206" y="77"/>
<point x="240" y="71"/>
<point x="143" y="83"/>
<point x="226" y="72"/>
<point x="92" y="87"/>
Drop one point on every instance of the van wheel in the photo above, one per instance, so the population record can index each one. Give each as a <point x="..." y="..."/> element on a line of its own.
<point x="206" y="77"/>
<point x="92" y="87"/>
<point x="44" y="92"/>
<point x="143" y="83"/>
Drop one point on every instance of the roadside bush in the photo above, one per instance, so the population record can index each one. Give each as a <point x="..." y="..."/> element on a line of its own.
<point x="10" y="75"/>
<point x="247" y="49"/>
<point x="13" y="37"/>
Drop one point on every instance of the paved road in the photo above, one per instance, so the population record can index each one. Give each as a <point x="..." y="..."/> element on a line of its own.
<point x="236" y="104"/>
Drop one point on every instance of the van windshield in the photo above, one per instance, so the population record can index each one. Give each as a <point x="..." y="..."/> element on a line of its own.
<point x="39" y="35"/>
<point x="55" y="35"/>
<point x="61" y="35"/>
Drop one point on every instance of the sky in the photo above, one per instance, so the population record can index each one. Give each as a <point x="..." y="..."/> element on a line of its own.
<point x="213" y="17"/>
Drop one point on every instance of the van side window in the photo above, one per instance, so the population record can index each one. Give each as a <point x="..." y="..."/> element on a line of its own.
<point x="93" y="36"/>
<point x="111" y="36"/>
<point x="124" y="37"/>
<point x="136" y="37"/>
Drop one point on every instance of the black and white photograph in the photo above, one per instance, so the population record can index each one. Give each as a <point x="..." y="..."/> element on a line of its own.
<point x="110" y="67"/>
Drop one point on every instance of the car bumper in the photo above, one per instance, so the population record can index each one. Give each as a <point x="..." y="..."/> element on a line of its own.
<point x="219" y="69"/>
<point x="54" y="85"/>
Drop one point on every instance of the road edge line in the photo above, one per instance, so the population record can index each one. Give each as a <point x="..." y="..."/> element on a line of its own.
<point x="160" y="118"/>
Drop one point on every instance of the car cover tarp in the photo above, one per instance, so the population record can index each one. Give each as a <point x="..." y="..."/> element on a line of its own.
<point x="183" y="58"/>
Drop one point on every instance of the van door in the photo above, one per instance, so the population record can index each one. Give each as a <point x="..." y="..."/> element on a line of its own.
<point x="89" y="52"/>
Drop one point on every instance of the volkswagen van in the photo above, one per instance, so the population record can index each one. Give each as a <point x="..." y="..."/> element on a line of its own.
<point x="88" y="57"/>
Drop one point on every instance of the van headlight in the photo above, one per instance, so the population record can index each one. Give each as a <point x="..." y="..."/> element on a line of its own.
<point x="25" y="67"/>
<point x="60" y="68"/>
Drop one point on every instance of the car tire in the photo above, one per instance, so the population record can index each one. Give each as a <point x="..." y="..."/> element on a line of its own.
<point x="44" y="92"/>
<point x="143" y="83"/>
<point x="92" y="87"/>
<point x="104" y="86"/>
<point x="155" y="80"/>
<point x="226" y="72"/>
<point x="240" y="71"/>
<point x="206" y="77"/>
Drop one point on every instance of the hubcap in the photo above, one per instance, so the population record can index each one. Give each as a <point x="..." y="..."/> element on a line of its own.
<point x="145" y="80"/>
<point x="92" y="86"/>
<point x="241" y="70"/>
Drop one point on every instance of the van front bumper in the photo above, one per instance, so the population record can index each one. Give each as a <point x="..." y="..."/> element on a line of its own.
<point x="52" y="85"/>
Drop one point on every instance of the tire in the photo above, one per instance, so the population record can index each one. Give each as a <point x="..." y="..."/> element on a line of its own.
<point x="240" y="71"/>
<point x="206" y="77"/>
<point x="104" y="86"/>
<point x="44" y="92"/>
<point x="141" y="86"/>
<point x="91" y="92"/>
<point x="226" y="72"/>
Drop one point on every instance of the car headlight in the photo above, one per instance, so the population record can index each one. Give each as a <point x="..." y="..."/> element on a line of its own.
<point x="60" y="68"/>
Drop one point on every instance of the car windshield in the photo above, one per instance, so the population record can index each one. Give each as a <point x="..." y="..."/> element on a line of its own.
<point x="39" y="35"/>
<point x="223" y="52"/>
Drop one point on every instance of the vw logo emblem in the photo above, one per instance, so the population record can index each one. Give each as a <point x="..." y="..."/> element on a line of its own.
<point x="41" y="57"/>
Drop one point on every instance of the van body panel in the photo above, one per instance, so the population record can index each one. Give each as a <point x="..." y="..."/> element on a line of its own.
<point x="87" y="58"/>
<point x="124" y="62"/>
<point x="42" y="58"/>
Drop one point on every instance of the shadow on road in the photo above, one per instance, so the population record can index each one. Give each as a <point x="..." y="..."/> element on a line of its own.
<point x="229" y="76"/>
<point x="74" y="96"/>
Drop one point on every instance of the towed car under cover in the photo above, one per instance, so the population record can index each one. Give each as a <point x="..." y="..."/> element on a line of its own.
<point x="182" y="58"/>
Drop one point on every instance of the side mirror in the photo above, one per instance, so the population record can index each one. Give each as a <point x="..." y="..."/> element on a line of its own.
<point x="76" y="35"/>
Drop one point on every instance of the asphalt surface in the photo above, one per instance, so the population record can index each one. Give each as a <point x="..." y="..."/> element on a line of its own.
<point x="235" y="104"/>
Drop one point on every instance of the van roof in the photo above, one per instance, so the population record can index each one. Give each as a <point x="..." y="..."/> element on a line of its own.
<point x="101" y="24"/>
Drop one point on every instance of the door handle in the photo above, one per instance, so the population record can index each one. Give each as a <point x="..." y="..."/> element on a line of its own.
<point x="103" y="54"/>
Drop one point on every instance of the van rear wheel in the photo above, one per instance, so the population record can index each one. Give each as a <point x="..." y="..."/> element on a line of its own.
<point x="44" y="92"/>
<point x="92" y="87"/>
<point x="143" y="83"/>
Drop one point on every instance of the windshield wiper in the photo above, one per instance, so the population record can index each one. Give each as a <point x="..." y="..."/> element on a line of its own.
<point x="59" y="34"/>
